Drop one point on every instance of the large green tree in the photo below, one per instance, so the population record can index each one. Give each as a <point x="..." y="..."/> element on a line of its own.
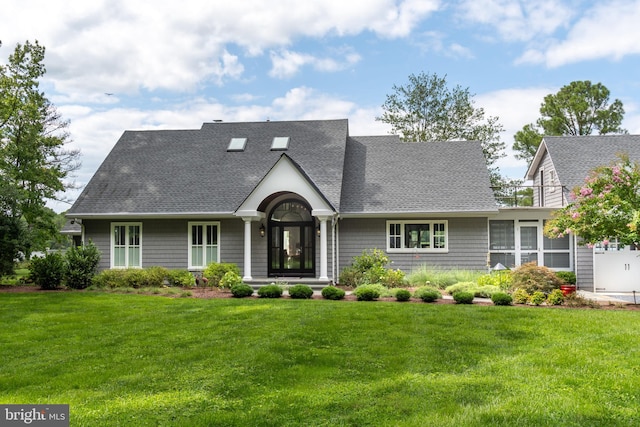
<point x="579" y="108"/>
<point x="426" y="109"/>
<point x="34" y="163"/>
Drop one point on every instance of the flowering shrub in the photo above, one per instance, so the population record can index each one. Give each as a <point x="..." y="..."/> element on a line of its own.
<point x="606" y="206"/>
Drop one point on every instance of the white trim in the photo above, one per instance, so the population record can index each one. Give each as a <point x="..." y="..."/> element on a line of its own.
<point x="204" y="224"/>
<point x="430" y="249"/>
<point x="112" y="244"/>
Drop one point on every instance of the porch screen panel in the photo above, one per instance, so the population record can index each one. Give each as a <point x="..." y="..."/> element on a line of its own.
<point x="502" y="235"/>
<point x="212" y="244"/>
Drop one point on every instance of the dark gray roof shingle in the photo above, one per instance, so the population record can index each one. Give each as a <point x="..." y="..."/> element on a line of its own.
<point x="190" y="171"/>
<point x="383" y="175"/>
<point x="574" y="157"/>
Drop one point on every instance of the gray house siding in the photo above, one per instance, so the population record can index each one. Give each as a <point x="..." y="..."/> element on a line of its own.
<point x="552" y="194"/>
<point x="468" y="243"/>
<point x="165" y="243"/>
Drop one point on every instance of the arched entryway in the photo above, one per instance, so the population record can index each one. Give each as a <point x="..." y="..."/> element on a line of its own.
<point x="291" y="236"/>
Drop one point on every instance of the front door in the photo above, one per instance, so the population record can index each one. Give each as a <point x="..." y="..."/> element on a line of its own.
<point x="291" y="240"/>
<point x="529" y="246"/>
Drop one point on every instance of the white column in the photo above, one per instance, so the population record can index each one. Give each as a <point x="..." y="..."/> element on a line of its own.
<point x="247" y="249"/>
<point x="323" y="248"/>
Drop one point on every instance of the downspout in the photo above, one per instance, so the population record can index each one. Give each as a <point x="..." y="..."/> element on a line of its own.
<point x="336" y="250"/>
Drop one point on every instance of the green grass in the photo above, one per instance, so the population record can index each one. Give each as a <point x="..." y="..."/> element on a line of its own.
<point x="151" y="360"/>
<point x="21" y="274"/>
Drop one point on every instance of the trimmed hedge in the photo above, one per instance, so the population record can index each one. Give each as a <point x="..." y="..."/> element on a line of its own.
<point x="300" y="292"/>
<point x="333" y="293"/>
<point x="270" y="291"/>
<point x="403" y="295"/>
<point x="427" y="294"/>
<point x="241" y="290"/>
<point x="463" y="297"/>
<point x="501" y="298"/>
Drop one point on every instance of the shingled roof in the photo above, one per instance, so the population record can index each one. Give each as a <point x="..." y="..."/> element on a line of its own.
<point x="190" y="171"/>
<point x="186" y="172"/>
<point x="383" y="175"/>
<point x="574" y="157"/>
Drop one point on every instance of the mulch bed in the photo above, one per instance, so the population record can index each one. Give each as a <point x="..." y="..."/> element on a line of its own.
<point x="211" y="293"/>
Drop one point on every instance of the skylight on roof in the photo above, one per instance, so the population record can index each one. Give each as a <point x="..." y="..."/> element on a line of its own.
<point x="280" y="143"/>
<point x="237" y="144"/>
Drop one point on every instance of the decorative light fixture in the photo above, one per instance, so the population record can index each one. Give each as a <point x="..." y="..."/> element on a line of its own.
<point x="261" y="230"/>
<point x="318" y="230"/>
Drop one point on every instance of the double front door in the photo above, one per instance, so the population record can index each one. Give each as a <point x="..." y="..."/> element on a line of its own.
<point x="292" y="250"/>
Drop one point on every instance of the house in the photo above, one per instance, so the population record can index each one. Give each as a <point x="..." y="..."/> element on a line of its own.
<point x="563" y="163"/>
<point x="297" y="200"/>
<point x="291" y="199"/>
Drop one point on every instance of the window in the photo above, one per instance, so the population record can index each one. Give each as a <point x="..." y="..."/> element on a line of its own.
<point x="126" y="245"/>
<point x="203" y="244"/>
<point x="280" y="143"/>
<point x="423" y="236"/>
<point x="237" y="144"/>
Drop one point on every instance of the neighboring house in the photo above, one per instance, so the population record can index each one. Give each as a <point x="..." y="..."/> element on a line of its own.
<point x="563" y="163"/>
<point x="298" y="200"/>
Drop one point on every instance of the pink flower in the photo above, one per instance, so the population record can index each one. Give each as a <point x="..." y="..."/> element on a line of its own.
<point x="575" y="215"/>
<point x="605" y="242"/>
<point x="586" y="191"/>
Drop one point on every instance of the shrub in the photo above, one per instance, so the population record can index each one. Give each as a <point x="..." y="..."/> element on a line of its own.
<point x="441" y="278"/>
<point x="403" y="295"/>
<point x="270" y="291"/>
<point x="555" y="297"/>
<point x="48" y="271"/>
<point x="520" y="296"/>
<point x="486" y="291"/>
<point x="81" y="265"/>
<point x="153" y="276"/>
<point x="216" y="271"/>
<point x="241" y="290"/>
<point x="110" y="279"/>
<point x="181" y="278"/>
<point x="501" y="279"/>
<point x="575" y="300"/>
<point x="501" y="298"/>
<point x="394" y="278"/>
<point x="368" y="268"/>
<point x="533" y="278"/>
<point x="300" y="292"/>
<point x="427" y="294"/>
<point x="462" y="287"/>
<point x="568" y="277"/>
<point x="229" y="279"/>
<point x="367" y="293"/>
<point x="332" y="293"/>
<point x="463" y="297"/>
<point x="537" y="298"/>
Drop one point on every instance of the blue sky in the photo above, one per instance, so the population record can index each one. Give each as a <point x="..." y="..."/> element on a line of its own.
<point x="174" y="65"/>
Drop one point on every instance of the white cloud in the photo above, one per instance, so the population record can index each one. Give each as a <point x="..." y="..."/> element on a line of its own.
<point x="608" y="30"/>
<point x="128" y="46"/>
<point x="286" y="63"/>
<point x="518" y="20"/>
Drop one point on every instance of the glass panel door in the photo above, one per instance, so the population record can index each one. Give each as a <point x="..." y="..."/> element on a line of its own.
<point x="528" y="244"/>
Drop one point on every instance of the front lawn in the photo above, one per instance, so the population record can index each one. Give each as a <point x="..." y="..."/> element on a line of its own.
<point x="149" y="360"/>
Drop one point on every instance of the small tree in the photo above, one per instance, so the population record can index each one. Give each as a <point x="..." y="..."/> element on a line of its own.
<point x="606" y="206"/>
<point x="82" y="264"/>
<point x="579" y="108"/>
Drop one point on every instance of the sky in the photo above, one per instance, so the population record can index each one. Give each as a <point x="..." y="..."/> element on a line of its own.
<point x="119" y="65"/>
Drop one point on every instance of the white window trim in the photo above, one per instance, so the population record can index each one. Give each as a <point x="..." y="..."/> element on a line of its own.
<point x="190" y="225"/>
<point x="113" y="244"/>
<point x="431" y="222"/>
